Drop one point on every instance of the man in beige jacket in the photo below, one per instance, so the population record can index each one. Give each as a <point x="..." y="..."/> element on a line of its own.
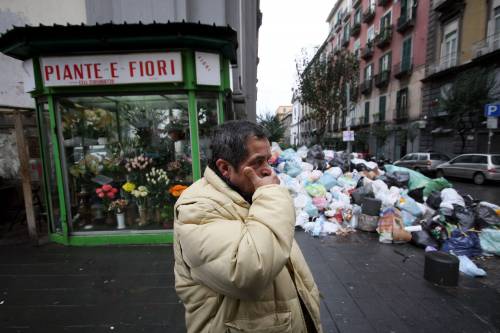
<point x="237" y="265"/>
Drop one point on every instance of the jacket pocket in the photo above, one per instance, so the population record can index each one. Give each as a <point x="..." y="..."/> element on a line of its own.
<point x="273" y="323"/>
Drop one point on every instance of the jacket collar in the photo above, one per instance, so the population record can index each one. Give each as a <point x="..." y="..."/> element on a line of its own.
<point x="213" y="179"/>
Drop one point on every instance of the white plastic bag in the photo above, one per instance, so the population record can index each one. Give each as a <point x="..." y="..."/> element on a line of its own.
<point x="335" y="172"/>
<point x="449" y="197"/>
<point x="468" y="267"/>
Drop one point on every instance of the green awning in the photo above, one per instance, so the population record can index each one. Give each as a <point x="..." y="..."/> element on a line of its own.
<point x="31" y="41"/>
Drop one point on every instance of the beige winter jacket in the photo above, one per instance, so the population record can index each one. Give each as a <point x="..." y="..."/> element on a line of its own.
<point x="237" y="266"/>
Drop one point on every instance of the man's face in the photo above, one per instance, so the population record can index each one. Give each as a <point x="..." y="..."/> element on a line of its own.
<point x="259" y="152"/>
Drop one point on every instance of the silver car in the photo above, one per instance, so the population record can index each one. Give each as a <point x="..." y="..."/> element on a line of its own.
<point x="422" y="162"/>
<point x="478" y="167"/>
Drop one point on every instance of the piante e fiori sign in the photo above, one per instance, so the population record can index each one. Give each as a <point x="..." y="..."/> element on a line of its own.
<point x="111" y="69"/>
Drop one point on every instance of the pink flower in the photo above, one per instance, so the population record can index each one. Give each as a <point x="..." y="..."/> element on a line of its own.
<point x="106" y="187"/>
<point x="114" y="190"/>
<point x="100" y="195"/>
<point x="98" y="190"/>
<point x="111" y="195"/>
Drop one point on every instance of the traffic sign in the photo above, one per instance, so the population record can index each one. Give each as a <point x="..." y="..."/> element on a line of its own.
<point x="348" y="136"/>
<point x="492" y="110"/>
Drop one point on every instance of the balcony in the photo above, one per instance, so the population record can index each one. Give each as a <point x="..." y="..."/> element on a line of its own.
<point x="443" y="64"/>
<point x="338" y="25"/>
<point x="356" y="3"/>
<point x="406" y="22"/>
<point x="383" y="3"/>
<point x="488" y="45"/>
<point x="356" y="29"/>
<point x="378" y="117"/>
<point x="345" y="41"/>
<point x="384" y="37"/>
<point x="382" y="79"/>
<point x="367" y="51"/>
<point x="366" y="87"/>
<point x="403" y="69"/>
<point x="368" y="15"/>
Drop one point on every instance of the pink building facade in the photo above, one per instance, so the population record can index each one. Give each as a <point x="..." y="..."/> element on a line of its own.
<point x="390" y="39"/>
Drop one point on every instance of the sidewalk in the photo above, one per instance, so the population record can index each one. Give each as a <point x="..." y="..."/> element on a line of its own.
<point x="367" y="287"/>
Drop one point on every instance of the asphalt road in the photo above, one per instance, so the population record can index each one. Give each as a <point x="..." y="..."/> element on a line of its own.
<point x="488" y="192"/>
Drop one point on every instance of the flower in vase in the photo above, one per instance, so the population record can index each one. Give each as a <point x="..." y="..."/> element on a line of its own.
<point x="177" y="190"/>
<point x="118" y="205"/>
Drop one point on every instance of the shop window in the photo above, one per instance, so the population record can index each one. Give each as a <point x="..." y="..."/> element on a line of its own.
<point x="135" y="148"/>
<point x="207" y="108"/>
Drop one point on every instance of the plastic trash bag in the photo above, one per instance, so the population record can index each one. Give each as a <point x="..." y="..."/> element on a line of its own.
<point x="464" y="217"/>
<point x="311" y="210"/>
<point x="315" y="175"/>
<point x="434" y="200"/>
<point x="316" y="157"/>
<point x="316" y="190"/>
<point x="301" y="201"/>
<point x="408" y="218"/>
<point x="437" y="184"/>
<point x="460" y="243"/>
<point x="417" y="179"/>
<point x="347" y="182"/>
<point x="417" y="195"/>
<point x="450" y="197"/>
<point x="490" y="241"/>
<point x="423" y="239"/>
<point x="301" y="219"/>
<point x="390" y="227"/>
<point x="468" y="267"/>
<point x="320" y="202"/>
<point x="289" y="154"/>
<point x="336" y="172"/>
<point x="398" y="179"/>
<point x="302" y="152"/>
<point x="379" y="186"/>
<point x="408" y="204"/>
<point x="359" y="194"/>
<point x="328" y="181"/>
<point x="290" y="183"/>
<point x="329" y="155"/>
<point x="306" y="166"/>
<point x="486" y="217"/>
<point x="292" y="168"/>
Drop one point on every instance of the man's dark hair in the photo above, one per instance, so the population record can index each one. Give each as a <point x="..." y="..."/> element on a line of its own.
<point x="229" y="141"/>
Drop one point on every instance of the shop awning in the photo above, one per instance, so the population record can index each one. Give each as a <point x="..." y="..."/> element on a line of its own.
<point x="31" y="41"/>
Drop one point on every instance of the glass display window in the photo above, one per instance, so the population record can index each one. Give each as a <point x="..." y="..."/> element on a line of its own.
<point x="126" y="159"/>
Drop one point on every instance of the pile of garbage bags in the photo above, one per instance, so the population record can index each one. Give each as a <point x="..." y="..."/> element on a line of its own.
<point x="338" y="193"/>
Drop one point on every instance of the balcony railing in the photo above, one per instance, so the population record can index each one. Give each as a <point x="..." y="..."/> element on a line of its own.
<point x="382" y="79"/>
<point x="378" y="117"/>
<point x="443" y="63"/>
<point x="355" y="29"/>
<point x="384" y="37"/>
<point x="383" y="3"/>
<point x="438" y="111"/>
<point x="401" y="114"/>
<point x="347" y="15"/>
<point x="368" y="14"/>
<point x="488" y="45"/>
<point x="366" y="87"/>
<point x="345" y="41"/>
<point x="356" y="3"/>
<point x="406" y="21"/>
<point x="403" y="68"/>
<point x="367" y="51"/>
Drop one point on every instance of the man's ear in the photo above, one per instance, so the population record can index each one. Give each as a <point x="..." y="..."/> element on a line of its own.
<point x="224" y="168"/>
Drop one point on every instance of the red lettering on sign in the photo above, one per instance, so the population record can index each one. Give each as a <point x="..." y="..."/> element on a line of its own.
<point x="150" y="70"/>
<point x="58" y="73"/>
<point x="172" y="66"/>
<point x="48" y="71"/>
<point x="88" y="67"/>
<point x="162" y="67"/>
<point x="78" y="71"/>
<point x="131" y="66"/>
<point x="67" y="73"/>
<point x="97" y="71"/>
<point x="113" y="70"/>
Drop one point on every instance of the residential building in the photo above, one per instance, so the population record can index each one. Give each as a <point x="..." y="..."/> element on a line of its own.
<point x="243" y="16"/>
<point x="284" y="114"/>
<point x="390" y="39"/>
<point x="463" y="34"/>
<point x="295" y="123"/>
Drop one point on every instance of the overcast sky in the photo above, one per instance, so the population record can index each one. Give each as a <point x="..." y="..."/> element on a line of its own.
<point x="287" y="27"/>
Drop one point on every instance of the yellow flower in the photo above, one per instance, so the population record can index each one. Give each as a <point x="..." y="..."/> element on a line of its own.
<point x="128" y="187"/>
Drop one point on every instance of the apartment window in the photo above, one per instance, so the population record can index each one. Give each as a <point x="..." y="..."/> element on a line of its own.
<point x="497" y="20"/>
<point x="356" y="47"/>
<point x="368" y="72"/>
<point x="370" y="34"/>
<point x="385" y="62"/>
<point x="402" y="103"/>
<point x="449" y="46"/>
<point x="406" y="55"/>
<point x="372" y="4"/>
<point x="382" y="102"/>
<point x="385" y="21"/>
<point x="346" y="32"/>
<point x="357" y="16"/>
<point x="406" y="8"/>
<point x="367" y="113"/>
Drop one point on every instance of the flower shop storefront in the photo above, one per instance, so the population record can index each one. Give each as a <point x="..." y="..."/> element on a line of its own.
<point x="124" y="116"/>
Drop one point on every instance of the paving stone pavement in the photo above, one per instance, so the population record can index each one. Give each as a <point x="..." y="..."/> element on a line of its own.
<point x="366" y="287"/>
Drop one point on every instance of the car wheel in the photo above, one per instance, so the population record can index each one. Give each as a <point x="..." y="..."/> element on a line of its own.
<point x="479" y="178"/>
<point x="439" y="173"/>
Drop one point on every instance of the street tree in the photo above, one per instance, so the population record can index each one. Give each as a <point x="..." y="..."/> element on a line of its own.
<point x="273" y="125"/>
<point x="465" y="99"/>
<point x="322" y="83"/>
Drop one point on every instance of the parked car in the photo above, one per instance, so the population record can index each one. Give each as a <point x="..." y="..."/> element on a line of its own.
<point x="478" y="167"/>
<point x="422" y="162"/>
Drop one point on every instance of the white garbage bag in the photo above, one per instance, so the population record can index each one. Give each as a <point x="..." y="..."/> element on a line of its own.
<point x="449" y="197"/>
<point x="335" y="172"/>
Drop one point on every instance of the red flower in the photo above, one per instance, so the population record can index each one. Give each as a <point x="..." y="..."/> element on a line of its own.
<point x="110" y="195"/>
<point x="98" y="190"/>
<point x="114" y="190"/>
<point x="106" y="187"/>
<point x="100" y="195"/>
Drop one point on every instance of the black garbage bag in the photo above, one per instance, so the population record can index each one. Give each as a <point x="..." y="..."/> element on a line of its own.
<point x="316" y="157"/>
<point x="423" y="239"/>
<point x="435" y="229"/>
<point x="434" y="200"/>
<point x="417" y="194"/>
<point x="486" y="217"/>
<point x="463" y="244"/>
<point x="385" y="179"/>
<point x="360" y="182"/>
<point x="399" y="179"/>
<point x="463" y="216"/>
<point x="359" y="194"/>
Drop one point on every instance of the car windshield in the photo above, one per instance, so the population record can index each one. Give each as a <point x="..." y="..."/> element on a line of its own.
<point x="495" y="159"/>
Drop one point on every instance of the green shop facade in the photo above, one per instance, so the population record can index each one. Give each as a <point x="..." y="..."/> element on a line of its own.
<point x="124" y="114"/>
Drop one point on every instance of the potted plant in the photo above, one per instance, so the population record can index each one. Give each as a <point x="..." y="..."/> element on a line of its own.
<point x="118" y="207"/>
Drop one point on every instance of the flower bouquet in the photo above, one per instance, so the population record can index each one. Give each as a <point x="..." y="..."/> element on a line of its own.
<point x="136" y="166"/>
<point x="106" y="193"/>
<point x="118" y="206"/>
<point x="157" y="181"/>
<point x="140" y="194"/>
